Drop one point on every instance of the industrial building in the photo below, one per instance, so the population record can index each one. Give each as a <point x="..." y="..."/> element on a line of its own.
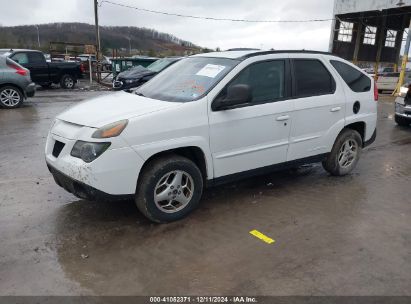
<point x="370" y="32"/>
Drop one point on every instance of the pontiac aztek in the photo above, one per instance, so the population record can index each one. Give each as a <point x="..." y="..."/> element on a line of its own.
<point x="213" y="118"/>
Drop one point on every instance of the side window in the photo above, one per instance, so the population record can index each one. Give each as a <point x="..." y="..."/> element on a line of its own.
<point x="266" y="80"/>
<point x="20" y="58"/>
<point x="357" y="81"/>
<point x="312" y="78"/>
<point x="36" y="58"/>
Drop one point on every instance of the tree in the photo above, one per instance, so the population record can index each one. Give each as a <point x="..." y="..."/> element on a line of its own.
<point x="152" y="53"/>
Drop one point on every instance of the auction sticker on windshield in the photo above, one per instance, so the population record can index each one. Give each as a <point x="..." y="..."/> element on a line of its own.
<point x="211" y="70"/>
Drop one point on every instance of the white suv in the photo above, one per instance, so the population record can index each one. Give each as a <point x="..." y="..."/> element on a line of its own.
<point x="213" y="118"/>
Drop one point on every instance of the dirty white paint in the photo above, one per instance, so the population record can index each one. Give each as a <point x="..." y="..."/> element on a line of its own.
<point x="353" y="6"/>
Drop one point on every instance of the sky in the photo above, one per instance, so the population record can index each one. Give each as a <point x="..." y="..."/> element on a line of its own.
<point x="211" y="34"/>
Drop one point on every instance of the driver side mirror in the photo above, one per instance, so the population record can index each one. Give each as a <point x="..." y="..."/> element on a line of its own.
<point x="236" y="95"/>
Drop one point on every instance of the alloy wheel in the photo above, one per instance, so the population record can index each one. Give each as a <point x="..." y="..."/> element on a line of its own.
<point x="10" y="97"/>
<point x="174" y="191"/>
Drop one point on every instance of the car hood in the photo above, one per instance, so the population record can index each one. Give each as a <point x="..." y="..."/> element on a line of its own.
<point x="110" y="108"/>
<point x="135" y="73"/>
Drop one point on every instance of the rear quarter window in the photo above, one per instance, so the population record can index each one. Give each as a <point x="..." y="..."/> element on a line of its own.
<point x="312" y="78"/>
<point x="356" y="80"/>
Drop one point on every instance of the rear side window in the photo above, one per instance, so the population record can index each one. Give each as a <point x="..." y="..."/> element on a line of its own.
<point x="357" y="81"/>
<point x="20" y="58"/>
<point x="312" y="78"/>
<point x="35" y="57"/>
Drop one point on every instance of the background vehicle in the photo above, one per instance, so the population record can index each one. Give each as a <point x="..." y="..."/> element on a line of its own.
<point x="136" y="76"/>
<point x="46" y="73"/>
<point x="389" y="81"/>
<point x="213" y="118"/>
<point x="403" y="107"/>
<point x="15" y="84"/>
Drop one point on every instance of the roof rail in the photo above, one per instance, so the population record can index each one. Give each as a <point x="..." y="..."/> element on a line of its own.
<point x="242" y="49"/>
<point x="286" y="51"/>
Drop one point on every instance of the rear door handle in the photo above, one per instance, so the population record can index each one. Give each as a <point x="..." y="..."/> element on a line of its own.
<point x="282" y="118"/>
<point x="336" y="109"/>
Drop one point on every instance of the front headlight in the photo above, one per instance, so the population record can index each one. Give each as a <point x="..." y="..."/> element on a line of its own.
<point x="111" y="130"/>
<point x="403" y="91"/>
<point x="89" y="151"/>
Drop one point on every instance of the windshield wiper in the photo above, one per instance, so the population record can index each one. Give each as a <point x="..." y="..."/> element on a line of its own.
<point x="140" y="94"/>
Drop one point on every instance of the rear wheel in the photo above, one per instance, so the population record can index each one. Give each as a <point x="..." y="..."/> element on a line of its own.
<point x="67" y="82"/>
<point x="10" y="97"/>
<point x="169" y="188"/>
<point x="402" y="121"/>
<point x="344" y="154"/>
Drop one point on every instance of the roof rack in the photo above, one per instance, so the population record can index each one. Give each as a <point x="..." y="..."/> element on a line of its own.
<point x="242" y="49"/>
<point x="285" y="51"/>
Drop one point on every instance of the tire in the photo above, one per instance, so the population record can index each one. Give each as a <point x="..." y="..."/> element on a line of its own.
<point x="160" y="176"/>
<point x="11" y="97"/>
<point x="67" y="82"/>
<point x="341" y="163"/>
<point x="402" y="121"/>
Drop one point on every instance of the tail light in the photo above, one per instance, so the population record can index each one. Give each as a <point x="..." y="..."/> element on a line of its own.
<point x="375" y="91"/>
<point x="19" y="70"/>
<point x="82" y="69"/>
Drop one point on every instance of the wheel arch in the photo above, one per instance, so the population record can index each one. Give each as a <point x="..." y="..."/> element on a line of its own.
<point x="15" y="86"/>
<point x="358" y="126"/>
<point x="194" y="153"/>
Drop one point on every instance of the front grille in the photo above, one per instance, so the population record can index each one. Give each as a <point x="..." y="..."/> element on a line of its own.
<point x="58" y="146"/>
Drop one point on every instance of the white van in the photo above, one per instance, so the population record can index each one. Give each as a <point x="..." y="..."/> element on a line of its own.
<point x="213" y="118"/>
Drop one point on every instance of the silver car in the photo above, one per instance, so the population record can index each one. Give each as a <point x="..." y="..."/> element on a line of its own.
<point x="15" y="84"/>
<point x="403" y="107"/>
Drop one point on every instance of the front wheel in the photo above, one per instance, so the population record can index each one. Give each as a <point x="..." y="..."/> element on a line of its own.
<point x="169" y="188"/>
<point x="10" y="97"/>
<point x="67" y="82"/>
<point x="344" y="154"/>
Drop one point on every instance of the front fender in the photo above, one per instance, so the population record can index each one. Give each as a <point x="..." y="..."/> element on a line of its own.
<point x="148" y="150"/>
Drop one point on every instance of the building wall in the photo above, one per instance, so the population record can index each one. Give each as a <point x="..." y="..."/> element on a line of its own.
<point x="353" y="6"/>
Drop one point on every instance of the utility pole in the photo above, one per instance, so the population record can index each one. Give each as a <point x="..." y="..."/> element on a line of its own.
<point x="404" y="62"/>
<point x="38" y="35"/>
<point x="97" y="39"/>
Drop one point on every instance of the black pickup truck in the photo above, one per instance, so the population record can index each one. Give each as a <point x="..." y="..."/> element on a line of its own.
<point x="45" y="73"/>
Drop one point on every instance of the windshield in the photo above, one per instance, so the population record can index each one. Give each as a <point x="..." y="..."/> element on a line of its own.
<point x="160" y="65"/>
<point x="187" y="80"/>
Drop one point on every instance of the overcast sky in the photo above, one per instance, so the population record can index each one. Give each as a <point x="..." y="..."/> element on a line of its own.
<point x="211" y="34"/>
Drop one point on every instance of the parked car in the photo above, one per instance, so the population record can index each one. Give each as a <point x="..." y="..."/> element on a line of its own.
<point x="136" y="76"/>
<point x="213" y="118"/>
<point x="15" y="84"/>
<point x="46" y="73"/>
<point x="389" y="81"/>
<point x="403" y="107"/>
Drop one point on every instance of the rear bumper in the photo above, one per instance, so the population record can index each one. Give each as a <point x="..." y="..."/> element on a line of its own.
<point x="82" y="190"/>
<point x="371" y="140"/>
<point x="30" y="90"/>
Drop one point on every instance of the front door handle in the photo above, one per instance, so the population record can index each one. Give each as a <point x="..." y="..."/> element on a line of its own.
<point x="336" y="109"/>
<point x="282" y="118"/>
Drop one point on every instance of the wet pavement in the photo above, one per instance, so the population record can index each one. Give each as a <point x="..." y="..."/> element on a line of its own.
<point x="334" y="236"/>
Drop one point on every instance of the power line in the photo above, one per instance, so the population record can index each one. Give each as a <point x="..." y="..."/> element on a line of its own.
<point x="246" y="20"/>
<point x="212" y="18"/>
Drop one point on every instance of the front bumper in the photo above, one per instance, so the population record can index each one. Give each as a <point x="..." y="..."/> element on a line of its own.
<point x="401" y="109"/>
<point x="115" y="172"/>
<point x="30" y="90"/>
<point x="82" y="190"/>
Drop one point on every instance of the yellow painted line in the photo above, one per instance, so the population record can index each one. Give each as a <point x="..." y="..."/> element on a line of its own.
<point x="262" y="236"/>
